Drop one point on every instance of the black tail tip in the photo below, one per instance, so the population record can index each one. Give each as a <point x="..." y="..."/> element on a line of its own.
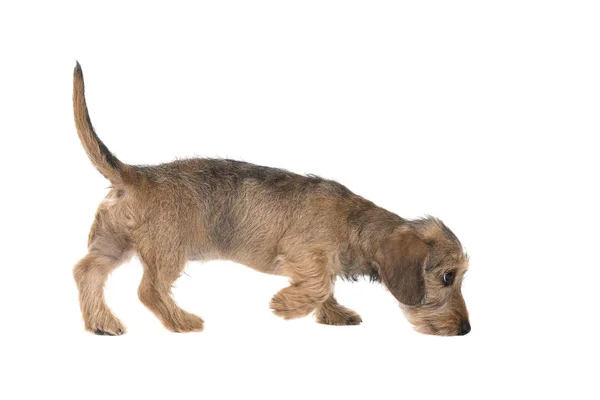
<point x="78" y="68"/>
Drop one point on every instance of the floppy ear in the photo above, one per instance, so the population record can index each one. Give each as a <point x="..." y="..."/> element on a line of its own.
<point x="400" y="262"/>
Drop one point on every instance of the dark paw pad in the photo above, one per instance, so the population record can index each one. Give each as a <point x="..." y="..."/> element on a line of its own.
<point x="101" y="332"/>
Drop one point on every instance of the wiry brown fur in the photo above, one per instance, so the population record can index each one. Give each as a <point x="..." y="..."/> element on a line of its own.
<point x="304" y="227"/>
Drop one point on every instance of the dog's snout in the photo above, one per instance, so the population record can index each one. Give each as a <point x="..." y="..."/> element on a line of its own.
<point x="465" y="327"/>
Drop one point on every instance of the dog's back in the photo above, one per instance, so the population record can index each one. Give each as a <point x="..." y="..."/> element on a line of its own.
<point x="229" y="209"/>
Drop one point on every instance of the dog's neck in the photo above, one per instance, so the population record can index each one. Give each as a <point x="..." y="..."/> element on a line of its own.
<point x="368" y="228"/>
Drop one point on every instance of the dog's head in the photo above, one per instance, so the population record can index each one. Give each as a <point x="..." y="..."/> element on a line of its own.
<point x="423" y="264"/>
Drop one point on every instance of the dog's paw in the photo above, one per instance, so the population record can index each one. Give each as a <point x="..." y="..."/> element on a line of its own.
<point x="186" y="322"/>
<point x="280" y="308"/>
<point x="287" y="305"/>
<point x="341" y="316"/>
<point x="182" y="322"/>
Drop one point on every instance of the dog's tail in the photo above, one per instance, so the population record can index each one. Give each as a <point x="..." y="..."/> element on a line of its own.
<point x="110" y="166"/>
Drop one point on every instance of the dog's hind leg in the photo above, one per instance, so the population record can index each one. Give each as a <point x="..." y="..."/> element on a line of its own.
<point x="332" y="313"/>
<point x="105" y="254"/>
<point x="160" y="272"/>
<point x="311" y="284"/>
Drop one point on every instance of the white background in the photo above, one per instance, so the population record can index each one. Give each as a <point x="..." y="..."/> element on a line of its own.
<point x="481" y="113"/>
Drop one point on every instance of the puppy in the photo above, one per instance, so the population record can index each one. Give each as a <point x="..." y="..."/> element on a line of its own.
<point x="309" y="229"/>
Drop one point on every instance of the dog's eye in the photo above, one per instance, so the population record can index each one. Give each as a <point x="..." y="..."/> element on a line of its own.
<point x="448" y="278"/>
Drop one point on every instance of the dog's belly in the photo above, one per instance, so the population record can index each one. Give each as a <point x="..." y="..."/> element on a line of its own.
<point x="266" y="265"/>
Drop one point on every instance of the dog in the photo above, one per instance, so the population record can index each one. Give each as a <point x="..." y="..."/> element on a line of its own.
<point x="307" y="228"/>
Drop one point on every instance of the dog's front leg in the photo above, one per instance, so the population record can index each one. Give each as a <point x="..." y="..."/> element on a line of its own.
<point x="311" y="284"/>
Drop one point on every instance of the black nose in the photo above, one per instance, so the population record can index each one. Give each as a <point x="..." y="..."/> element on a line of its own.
<point x="465" y="328"/>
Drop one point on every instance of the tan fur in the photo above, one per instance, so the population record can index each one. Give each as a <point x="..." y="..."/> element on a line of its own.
<point x="309" y="229"/>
